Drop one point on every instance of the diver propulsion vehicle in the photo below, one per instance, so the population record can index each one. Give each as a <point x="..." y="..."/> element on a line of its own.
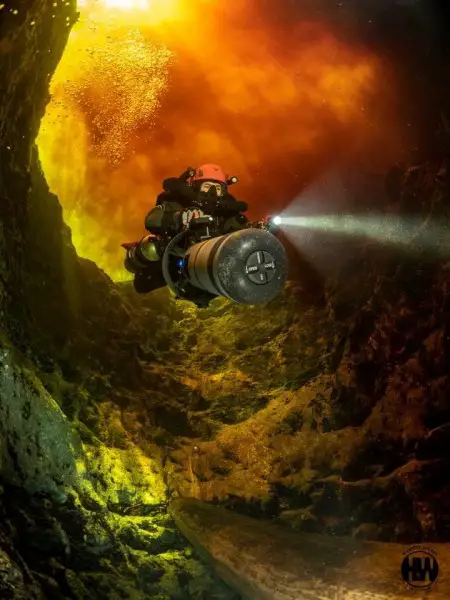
<point x="247" y="266"/>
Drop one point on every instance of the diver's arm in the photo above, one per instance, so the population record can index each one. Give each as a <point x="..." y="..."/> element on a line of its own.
<point x="148" y="219"/>
<point x="228" y="205"/>
<point x="163" y="197"/>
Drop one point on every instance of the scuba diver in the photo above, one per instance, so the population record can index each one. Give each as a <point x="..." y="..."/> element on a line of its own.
<point x="197" y="191"/>
<point x="194" y="194"/>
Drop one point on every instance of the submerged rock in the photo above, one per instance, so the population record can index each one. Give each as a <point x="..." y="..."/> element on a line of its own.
<point x="327" y="412"/>
<point x="264" y="562"/>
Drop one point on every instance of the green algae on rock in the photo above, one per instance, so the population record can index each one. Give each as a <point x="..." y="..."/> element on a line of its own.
<point x="38" y="446"/>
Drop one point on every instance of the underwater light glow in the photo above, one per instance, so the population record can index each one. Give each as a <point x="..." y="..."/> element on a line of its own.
<point x="146" y="88"/>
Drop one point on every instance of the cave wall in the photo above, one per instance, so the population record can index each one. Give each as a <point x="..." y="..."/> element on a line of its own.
<point x="63" y="324"/>
<point x="82" y="509"/>
<point x="61" y="311"/>
<point x="33" y="37"/>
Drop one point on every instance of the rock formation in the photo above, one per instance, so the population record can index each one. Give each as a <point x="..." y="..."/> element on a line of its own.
<point x="268" y="563"/>
<point x="329" y="417"/>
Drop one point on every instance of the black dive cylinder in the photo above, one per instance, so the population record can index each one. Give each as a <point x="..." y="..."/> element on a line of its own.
<point x="247" y="266"/>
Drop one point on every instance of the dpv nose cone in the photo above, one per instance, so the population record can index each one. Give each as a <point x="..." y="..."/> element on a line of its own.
<point x="260" y="267"/>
